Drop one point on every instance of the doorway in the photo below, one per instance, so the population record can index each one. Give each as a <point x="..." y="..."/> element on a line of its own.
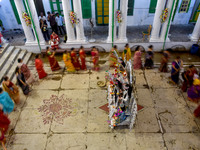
<point x="102" y="12"/>
<point x="39" y="6"/>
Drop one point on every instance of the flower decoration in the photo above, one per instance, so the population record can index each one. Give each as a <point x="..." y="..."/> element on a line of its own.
<point x="26" y="18"/>
<point x="73" y="18"/>
<point x="164" y="15"/>
<point x="119" y="16"/>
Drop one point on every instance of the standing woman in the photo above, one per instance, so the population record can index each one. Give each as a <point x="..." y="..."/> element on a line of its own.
<point x="137" y="62"/>
<point x="176" y="66"/>
<point x="164" y="62"/>
<point x="26" y="71"/>
<point x="52" y="60"/>
<point x="126" y="53"/>
<point x="82" y="57"/>
<point x="54" y="41"/>
<point x="6" y="102"/>
<point x="11" y="89"/>
<point x="95" y="58"/>
<point x="75" y="60"/>
<point x="113" y="58"/>
<point x="39" y="67"/>
<point x="44" y="29"/>
<point x="68" y="62"/>
<point x="21" y="81"/>
<point x="149" y="58"/>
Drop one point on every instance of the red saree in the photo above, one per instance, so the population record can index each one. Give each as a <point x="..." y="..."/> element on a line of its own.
<point x="4" y="122"/>
<point x="54" y="41"/>
<point x="40" y="69"/>
<point x="75" y="61"/>
<point x="197" y="112"/>
<point x="82" y="57"/>
<point x="95" y="60"/>
<point x="53" y="63"/>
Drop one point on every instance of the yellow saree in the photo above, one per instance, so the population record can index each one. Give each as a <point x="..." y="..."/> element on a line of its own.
<point x="68" y="63"/>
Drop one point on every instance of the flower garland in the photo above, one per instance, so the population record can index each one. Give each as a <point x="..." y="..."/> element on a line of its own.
<point x="119" y="16"/>
<point x="26" y="18"/>
<point x="73" y="18"/>
<point x="164" y="15"/>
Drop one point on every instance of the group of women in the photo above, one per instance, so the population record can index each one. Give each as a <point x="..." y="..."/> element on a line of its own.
<point x="191" y="82"/>
<point x="72" y="61"/>
<point x="126" y="56"/>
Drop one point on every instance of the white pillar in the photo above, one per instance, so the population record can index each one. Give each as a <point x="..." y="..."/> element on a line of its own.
<point x="109" y="39"/>
<point x="27" y="30"/>
<point x="156" y="22"/>
<point x="36" y="22"/>
<point x="79" y="27"/>
<point x="68" y="25"/>
<point x="165" y="24"/>
<point x="122" y="26"/>
<point x="196" y="32"/>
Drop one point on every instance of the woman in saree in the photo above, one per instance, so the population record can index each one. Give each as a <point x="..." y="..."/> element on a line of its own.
<point x="126" y="53"/>
<point x="68" y="63"/>
<point x="194" y="91"/>
<point x="149" y="58"/>
<point x="4" y="124"/>
<point x="95" y="58"/>
<point x="197" y="112"/>
<point x="6" y="102"/>
<point x="54" y="41"/>
<point x="52" y="60"/>
<point x="137" y="62"/>
<point x="164" y="62"/>
<point x="113" y="56"/>
<point x="21" y="81"/>
<point x="11" y="89"/>
<point x="188" y="77"/>
<point x="82" y="57"/>
<point x="39" y="67"/>
<point x="26" y="71"/>
<point x="75" y="60"/>
<point x="176" y="66"/>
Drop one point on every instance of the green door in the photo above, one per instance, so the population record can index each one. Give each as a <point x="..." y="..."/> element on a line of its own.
<point x="56" y="6"/>
<point x="15" y="11"/>
<point x="196" y="15"/>
<point x="102" y="12"/>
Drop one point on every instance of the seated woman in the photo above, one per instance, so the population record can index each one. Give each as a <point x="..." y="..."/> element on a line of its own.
<point x="26" y="71"/>
<point x="68" y="62"/>
<point x="197" y="112"/>
<point x="39" y="67"/>
<point x="82" y="57"/>
<point x="11" y="89"/>
<point x="54" y="41"/>
<point x="6" y="102"/>
<point x="52" y="60"/>
<point x="149" y="58"/>
<point x="126" y="55"/>
<point x="95" y="58"/>
<point x="4" y="124"/>
<point x="113" y="56"/>
<point x="21" y="81"/>
<point x="137" y="62"/>
<point x="194" y="91"/>
<point x="75" y="60"/>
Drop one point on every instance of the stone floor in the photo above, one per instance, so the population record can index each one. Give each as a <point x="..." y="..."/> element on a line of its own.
<point x="165" y="123"/>
<point x="177" y="33"/>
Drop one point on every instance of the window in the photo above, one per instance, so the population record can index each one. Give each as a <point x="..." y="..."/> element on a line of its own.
<point x="86" y="9"/>
<point x="56" y="6"/>
<point x="184" y="6"/>
<point x="152" y="7"/>
<point x="130" y="7"/>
